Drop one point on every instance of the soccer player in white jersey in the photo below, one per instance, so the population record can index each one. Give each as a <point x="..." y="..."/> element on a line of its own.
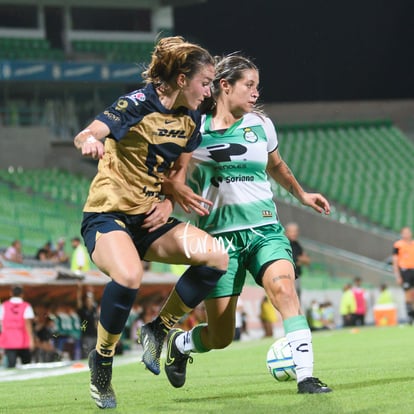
<point x="239" y="150"/>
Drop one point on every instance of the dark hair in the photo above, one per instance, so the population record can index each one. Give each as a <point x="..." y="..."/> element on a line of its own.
<point x="172" y="56"/>
<point x="230" y="68"/>
<point x="17" y="290"/>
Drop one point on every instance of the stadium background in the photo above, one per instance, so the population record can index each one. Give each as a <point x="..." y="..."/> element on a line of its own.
<point x="336" y="80"/>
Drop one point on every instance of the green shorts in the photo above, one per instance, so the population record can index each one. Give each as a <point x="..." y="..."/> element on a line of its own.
<point x="253" y="250"/>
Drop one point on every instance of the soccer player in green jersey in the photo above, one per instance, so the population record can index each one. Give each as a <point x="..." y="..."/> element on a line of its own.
<point x="239" y="150"/>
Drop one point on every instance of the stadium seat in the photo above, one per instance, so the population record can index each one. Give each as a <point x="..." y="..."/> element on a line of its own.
<point x="353" y="164"/>
<point x="114" y="51"/>
<point x="28" y="49"/>
<point x="49" y="218"/>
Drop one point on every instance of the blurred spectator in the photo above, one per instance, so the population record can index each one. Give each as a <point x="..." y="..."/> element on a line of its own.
<point x="268" y="316"/>
<point x="14" y="252"/>
<point x="60" y="254"/>
<point x="361" y="302"/>
<point x="403" y="267"/>
<point x="314" y="316"/>
<point x="67" y="335"/>
<point x="80" y="261"/>
<point x="239" y="320"/>
<point x="178" y="269"/>
<point x="132" y="323"/>
<point x="385" y="296"/>
<point x="45" y="253"/>
<point x="300" y="257"/>
<point x="88" y="315"/>
<point x="347" y="306"/>
<point x="16" y="317"/>
<point x="327" y="315"/>
<point x="44" y="329"/>
<point x="321" y="316"/>
<point x="195" y="317"/>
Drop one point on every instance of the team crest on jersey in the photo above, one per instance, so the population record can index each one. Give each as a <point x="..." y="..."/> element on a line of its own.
<point x="121" y="105"/>
<point x="250" y="135"/>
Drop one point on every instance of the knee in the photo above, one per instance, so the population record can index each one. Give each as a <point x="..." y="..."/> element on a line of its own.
<point x="286" y="289"/>
<point x="218" y="260"/>
<point x="130" y="278"/>
<point x="283" y="294"/>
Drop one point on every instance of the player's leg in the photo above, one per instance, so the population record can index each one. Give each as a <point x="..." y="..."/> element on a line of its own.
<point x="217" y="334"/>
<point x="114" y="253"/>
<point x="220" y="307"/>
<point x="279" y="283"/>
<point x="182" y="244"/>
<point x="272" y="267"/>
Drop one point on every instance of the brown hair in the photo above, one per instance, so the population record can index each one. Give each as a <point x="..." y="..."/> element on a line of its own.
<point x="172" y="56"/>
<point x="231" y="68"/>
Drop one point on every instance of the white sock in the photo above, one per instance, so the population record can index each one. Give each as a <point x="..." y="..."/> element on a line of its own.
<point x="184" y="342"/>
<point x="302" y="351"/>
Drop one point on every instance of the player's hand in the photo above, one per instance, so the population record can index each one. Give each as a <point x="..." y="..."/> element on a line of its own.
<point x="317" y="201"/>
<point x="189" y="200"/>
<point x="158" y="215"/>
<point x="93" y="148"/>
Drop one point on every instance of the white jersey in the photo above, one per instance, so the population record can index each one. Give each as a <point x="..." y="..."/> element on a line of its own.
<point x="229" y="169"/>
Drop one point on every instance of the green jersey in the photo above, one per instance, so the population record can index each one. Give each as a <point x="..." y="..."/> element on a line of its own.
<point x="229" y="169"/>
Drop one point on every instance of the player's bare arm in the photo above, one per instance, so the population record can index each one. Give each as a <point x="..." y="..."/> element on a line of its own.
<point x="89" y="139"/>
<point x="174" y="186"/>
<point x="282" y="174"/>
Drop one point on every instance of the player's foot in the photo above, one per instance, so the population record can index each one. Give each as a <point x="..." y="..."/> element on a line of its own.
<point x="176" y="362"/>
<point x="312" y="385"/>
<point x="151" y="336"/>
<point x="100" y="387"/>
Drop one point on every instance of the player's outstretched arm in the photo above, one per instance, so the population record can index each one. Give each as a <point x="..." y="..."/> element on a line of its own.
<point x="282" y="174"/>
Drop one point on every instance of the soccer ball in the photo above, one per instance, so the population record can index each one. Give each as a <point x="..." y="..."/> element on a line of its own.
<point x="280" y="361"/>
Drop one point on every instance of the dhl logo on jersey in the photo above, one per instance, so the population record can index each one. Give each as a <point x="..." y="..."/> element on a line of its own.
<point x="171" y="133"/>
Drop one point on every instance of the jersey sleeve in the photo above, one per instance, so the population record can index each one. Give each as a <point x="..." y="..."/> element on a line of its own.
<point x="272" y="142"/>
<point x="125" y="112"/>
<point x="195" y="138"/>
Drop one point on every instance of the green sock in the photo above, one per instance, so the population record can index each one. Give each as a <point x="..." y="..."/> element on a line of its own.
<point x="196" y="337"/>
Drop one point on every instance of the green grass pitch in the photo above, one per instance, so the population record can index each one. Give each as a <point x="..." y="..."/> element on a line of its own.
<point x="371" y="370"/>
